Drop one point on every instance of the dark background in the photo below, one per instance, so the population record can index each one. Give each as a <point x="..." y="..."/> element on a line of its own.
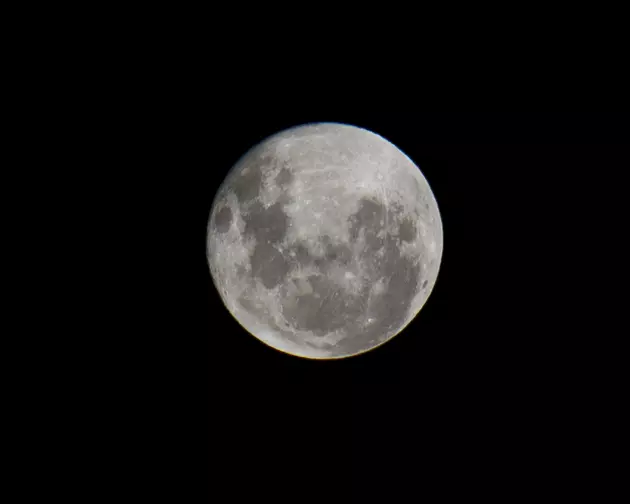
<point x="507" y="384"/>
<point x="491" y="388"/>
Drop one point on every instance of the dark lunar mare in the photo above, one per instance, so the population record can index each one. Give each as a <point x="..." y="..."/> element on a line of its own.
<point x="269" y="265"/>
<point x="326" y="309"/>
<point x="269" y="227"/>
<point x="223" y="219"/>
<point x="246" y="186"/>
<point x="401" y="277"/>
<point x="284" y="177"/>
<point x="266" y="224"/>
<point x="329" y="307"/>
<point x="407" y="230"/>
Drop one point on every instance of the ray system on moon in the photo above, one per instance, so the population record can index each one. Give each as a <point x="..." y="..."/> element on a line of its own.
<point x="324" y="241"/>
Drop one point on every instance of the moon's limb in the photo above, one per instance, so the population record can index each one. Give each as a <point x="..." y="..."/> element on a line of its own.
<point x="324" y="241"/>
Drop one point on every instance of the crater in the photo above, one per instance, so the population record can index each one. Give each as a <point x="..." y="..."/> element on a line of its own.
<point x="223" y="219"/>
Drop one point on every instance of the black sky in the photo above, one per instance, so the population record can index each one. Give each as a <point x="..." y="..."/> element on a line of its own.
<point x="484" y="386"/>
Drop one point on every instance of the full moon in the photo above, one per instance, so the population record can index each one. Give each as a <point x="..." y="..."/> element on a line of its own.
<point x="324" y="241"/>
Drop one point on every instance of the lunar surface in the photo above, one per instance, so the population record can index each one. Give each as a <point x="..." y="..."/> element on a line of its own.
<point x="324" y="241"/>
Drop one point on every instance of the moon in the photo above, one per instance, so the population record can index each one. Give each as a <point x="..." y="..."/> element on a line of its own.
<point x="324" y="241"/>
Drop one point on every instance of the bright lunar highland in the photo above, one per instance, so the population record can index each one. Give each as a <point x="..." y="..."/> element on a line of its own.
<point x="324" y="241"/>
